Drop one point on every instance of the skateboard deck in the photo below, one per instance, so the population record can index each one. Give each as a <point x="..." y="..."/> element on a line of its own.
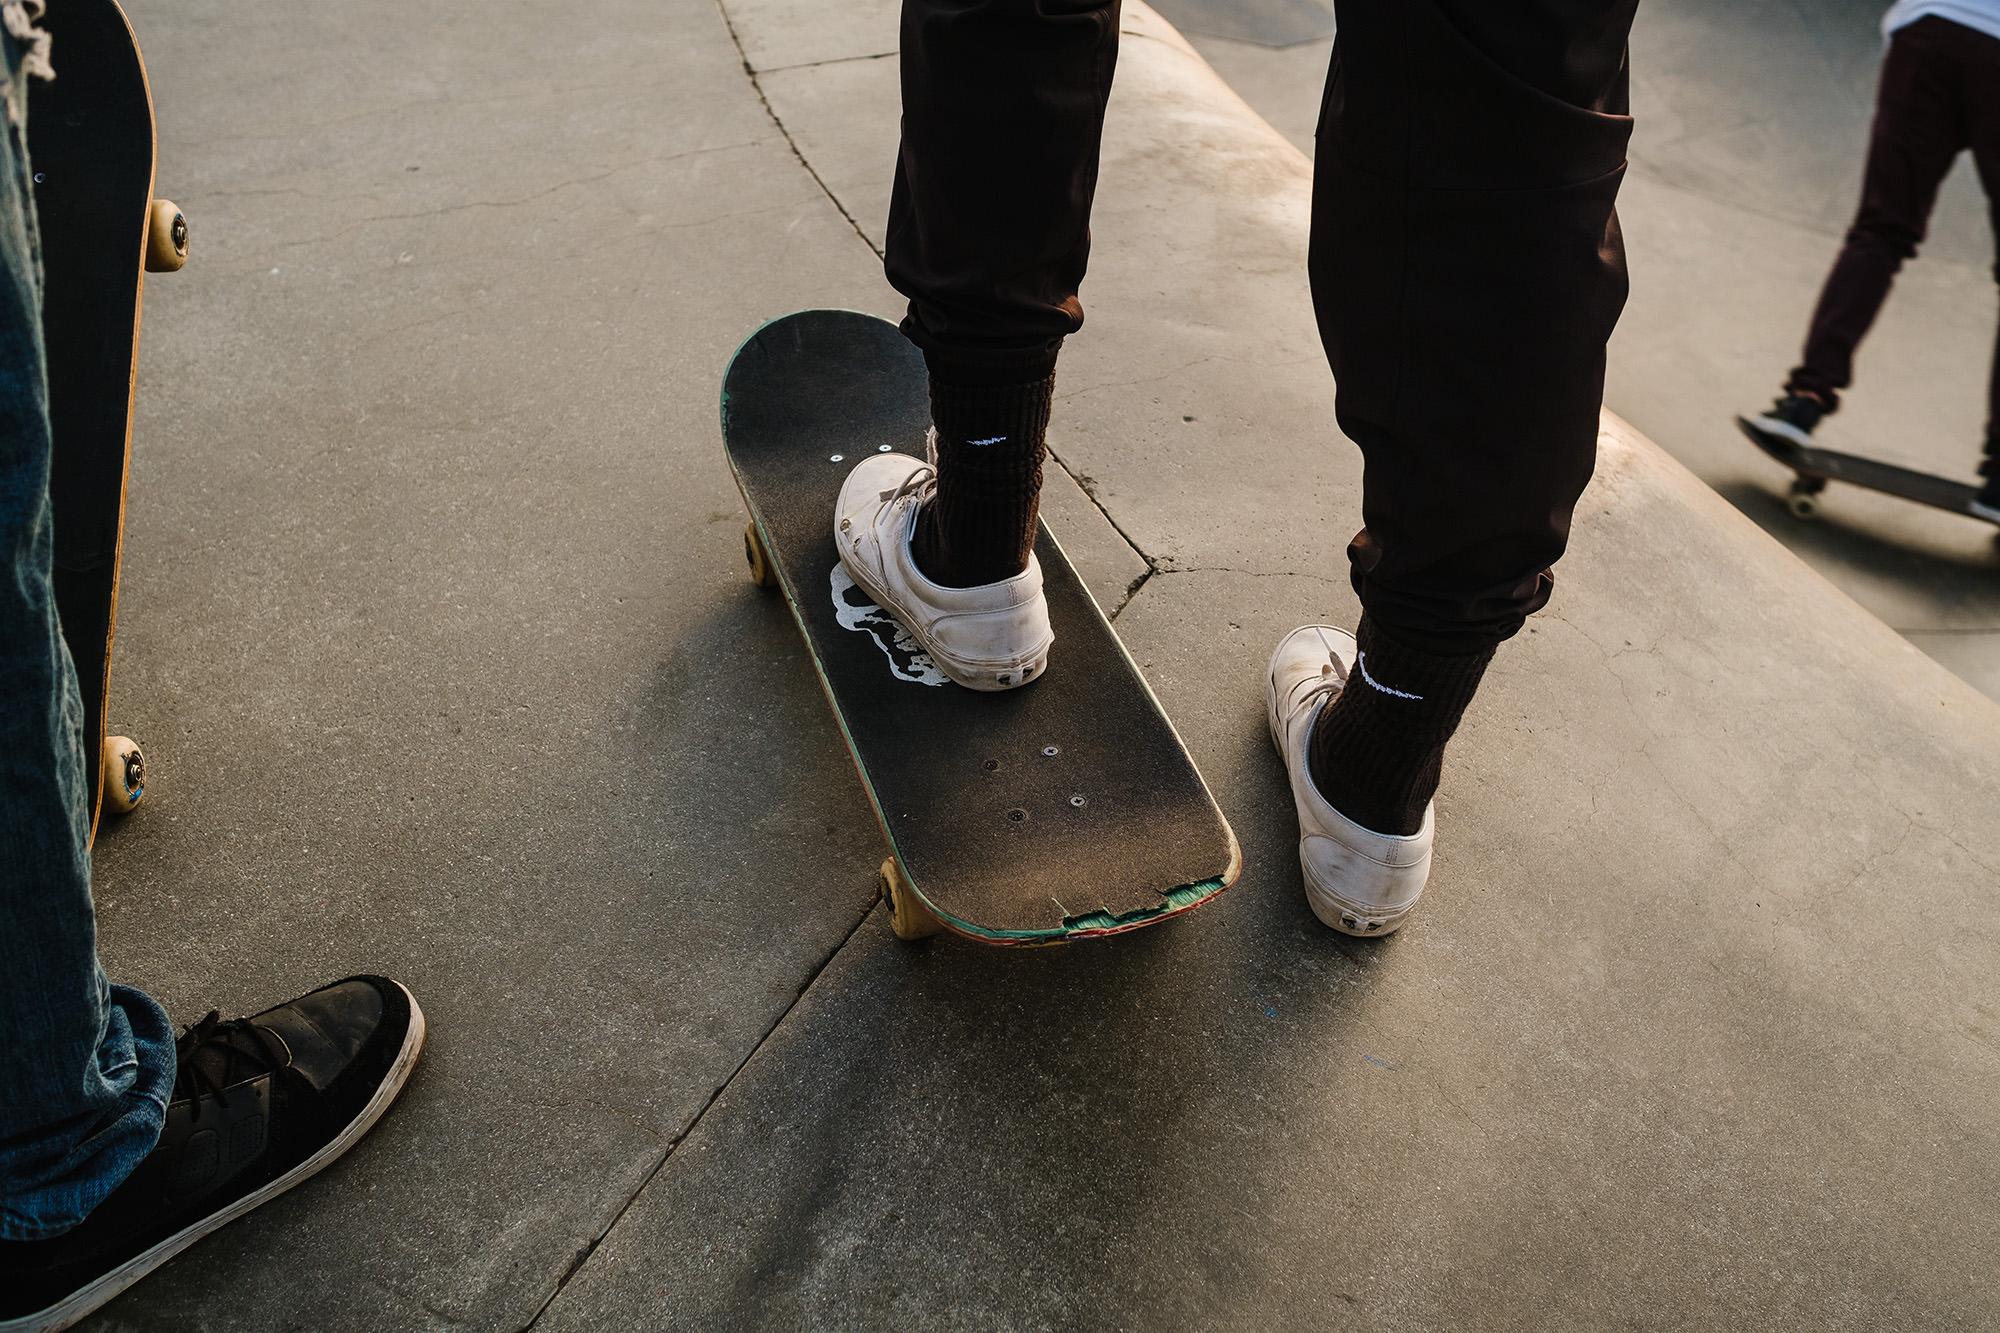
<point x="1063" y="809"/>
<point x="91" y="146"/>
<point x="1814" y="468"/>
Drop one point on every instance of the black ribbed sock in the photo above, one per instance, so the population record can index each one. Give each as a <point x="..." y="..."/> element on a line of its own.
<point x="991" y="441"/>
<point x="1377" y="748"/>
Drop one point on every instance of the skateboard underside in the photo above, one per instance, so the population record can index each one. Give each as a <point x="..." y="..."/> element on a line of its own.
<point x="1816" y="467"/>
<point x="90" y="134"/>
<point x="1065" y="808"/>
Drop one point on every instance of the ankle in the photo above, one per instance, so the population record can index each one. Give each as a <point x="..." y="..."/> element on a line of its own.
<point x="1378" y="747"/>
<point x="990" y="444"/>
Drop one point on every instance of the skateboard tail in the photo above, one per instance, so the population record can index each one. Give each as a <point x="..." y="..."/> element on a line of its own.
<point x="1097" y="923"/>
<point x="752" y="337"/>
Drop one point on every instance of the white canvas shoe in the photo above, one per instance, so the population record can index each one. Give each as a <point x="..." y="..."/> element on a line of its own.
<point x="992" y="637"/>
<point x="1358" y="881"/>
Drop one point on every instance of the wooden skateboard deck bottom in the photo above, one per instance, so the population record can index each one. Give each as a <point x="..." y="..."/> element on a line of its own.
<point x="1063" y="809"/>
<point x="91" y="141"/>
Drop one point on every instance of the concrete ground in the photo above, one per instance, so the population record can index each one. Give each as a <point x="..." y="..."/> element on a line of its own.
<point x="1752" y="123"/>
<point x="437" y="634"/>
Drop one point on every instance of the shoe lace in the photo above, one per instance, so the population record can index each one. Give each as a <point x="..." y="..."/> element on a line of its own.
<point x="921" y="483"/>
<point x="1332" y="679"/>
<point x="216" y="1054"/>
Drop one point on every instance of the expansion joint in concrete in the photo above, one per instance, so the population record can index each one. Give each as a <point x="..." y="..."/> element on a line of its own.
<point x="835" y="60"/>
<point x="757" y="86"/>
<point x="1089" y="488"/>
<point x="583" y="1254"/>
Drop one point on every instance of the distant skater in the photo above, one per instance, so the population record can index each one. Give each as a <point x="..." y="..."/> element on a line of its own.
<point x="1466" y="269"/>
<point x="1939" y="93"/>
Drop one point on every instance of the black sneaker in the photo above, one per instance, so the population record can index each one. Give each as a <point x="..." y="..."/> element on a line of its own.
<point x="1986" y="504"/>
<point x="260" y="1104"/>
<point x="1792" y="418"/>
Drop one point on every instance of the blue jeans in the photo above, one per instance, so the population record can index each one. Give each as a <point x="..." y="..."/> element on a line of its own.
<point x="86" y="1067"/>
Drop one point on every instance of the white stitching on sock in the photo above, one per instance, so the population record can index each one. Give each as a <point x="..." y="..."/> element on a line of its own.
<point x="995" y="440"/>
<point x="1361" y="660"/>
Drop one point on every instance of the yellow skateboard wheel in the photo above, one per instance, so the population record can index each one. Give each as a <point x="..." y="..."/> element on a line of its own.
<point x="762" y="572"/>
<point x="166" y="238"/>
<point x="908" y="916"/>
<point x="124" y="774"/>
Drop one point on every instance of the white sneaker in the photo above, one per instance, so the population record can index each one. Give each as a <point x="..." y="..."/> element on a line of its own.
<point x="1358" y="881"/>
<point x="992" y="637"/>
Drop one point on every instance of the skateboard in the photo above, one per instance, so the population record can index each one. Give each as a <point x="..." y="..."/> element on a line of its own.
<point x="1064" y="809"/>
<point x="1814" y="468"/>
<point x="91" y="145"/>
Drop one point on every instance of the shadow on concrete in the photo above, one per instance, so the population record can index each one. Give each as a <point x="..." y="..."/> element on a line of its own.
<point x="1957" y="575"/>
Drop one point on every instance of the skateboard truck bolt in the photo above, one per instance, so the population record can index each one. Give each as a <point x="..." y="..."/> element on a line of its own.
<point x="837" y="458"/>
<point x="992" y="764"/>
<point x="1077" y="801"/>
<point x="1017" y="814"/>
<point x="1051" y="751"/>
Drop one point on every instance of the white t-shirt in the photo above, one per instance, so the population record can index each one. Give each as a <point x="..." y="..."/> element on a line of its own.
<point x="1979" y="15"/>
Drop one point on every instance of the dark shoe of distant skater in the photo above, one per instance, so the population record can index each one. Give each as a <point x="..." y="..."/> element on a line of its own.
<point x="1792" y="418"/>
<point x="1987" y="503"/>
<point x="259" y="1105"/>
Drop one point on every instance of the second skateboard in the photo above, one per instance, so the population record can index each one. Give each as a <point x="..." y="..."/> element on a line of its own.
<point x="91" y="142"/>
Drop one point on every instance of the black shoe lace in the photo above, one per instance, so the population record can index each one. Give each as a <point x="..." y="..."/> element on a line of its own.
<point x="217" y="1054"/>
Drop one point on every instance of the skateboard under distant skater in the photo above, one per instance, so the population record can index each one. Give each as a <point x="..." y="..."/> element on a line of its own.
<point x="1814" y="468"/>
<point x="91" y="145"/>
<point x="1062" y="809"/>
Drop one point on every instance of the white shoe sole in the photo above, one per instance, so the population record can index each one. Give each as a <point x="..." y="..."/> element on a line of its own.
<point x="87" y="1299"/>
<point x="1784" y="430"/>
<point x="989" y="677"/>
<point x="1349" y="918"/>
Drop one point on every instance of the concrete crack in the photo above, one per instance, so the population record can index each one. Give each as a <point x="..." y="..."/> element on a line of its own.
<point x="694" y="1122"/>
<point x="1089" y="489"/>
<point x="757" y="87"/>
<point x="835" y="60"/>
<point x="1131" y="591"/>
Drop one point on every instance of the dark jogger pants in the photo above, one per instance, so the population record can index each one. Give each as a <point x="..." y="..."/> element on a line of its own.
<point x="1939" y="94"/>
<point x="1466" y="263"/>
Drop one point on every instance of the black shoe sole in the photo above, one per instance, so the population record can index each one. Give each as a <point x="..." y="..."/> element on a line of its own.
<point x="87" y="1299"/>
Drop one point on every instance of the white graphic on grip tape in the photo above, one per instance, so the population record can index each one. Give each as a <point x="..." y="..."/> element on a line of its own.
<point x="854" y="611"/>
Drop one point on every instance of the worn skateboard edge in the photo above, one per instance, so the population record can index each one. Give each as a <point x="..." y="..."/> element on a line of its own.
<point x="1823" y="465"/>
<point x="1092" y="924"/>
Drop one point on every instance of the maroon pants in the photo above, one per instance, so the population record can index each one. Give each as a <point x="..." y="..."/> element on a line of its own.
<point x="1466" y="263"/>
<point x="1939" y="94"/>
